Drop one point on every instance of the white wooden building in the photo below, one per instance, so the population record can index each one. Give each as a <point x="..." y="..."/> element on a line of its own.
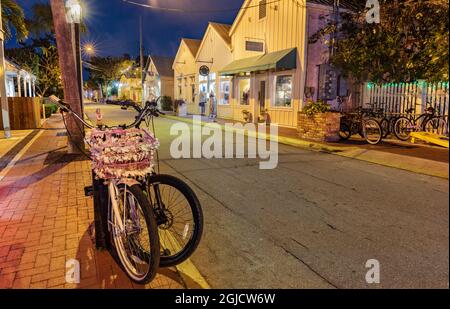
<point x="159" y="77"/>
<point x="265" y="65"/>
<point x="19" y="82"/>
<point x="186" y="73"/>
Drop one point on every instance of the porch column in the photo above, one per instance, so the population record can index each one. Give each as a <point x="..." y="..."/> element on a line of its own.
<point x="19" y="86"/>
<point x="30" y="94"/>
<point x="24" y="87"/>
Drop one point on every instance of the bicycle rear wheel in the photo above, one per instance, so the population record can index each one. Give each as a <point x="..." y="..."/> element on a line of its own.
<point x="137" y="245"/>
<point x="372" y="131"/>
<point x="179" y="217"/>
<point x="385" y="127"/>
<point x="403" y="128"/>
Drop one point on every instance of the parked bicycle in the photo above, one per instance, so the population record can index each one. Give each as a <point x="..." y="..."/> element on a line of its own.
<point x="153" y="219"/>
<point x="358" y="123"/>
<point x="428" y="122"/>
<point x="176" y="207"/>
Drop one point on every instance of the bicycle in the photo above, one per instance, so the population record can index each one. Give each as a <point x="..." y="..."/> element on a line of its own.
<point x="428" y="122"/>
<point x="179" y="238"/>
<point x="131" y="225"/>
<point x="357" y="123"/>
<point x="176" y="208"/>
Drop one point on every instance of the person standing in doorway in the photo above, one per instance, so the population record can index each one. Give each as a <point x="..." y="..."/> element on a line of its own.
<point x="212" y="105"/>
<point x="202" y="102"/>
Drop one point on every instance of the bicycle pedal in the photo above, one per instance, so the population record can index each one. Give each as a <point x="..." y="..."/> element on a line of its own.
<point x="89" y="191"/>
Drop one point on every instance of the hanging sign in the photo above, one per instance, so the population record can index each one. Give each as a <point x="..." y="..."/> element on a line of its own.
<point x="204" y="70"/>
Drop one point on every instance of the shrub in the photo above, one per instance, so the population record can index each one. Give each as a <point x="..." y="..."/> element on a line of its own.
<point x="318" y="107"/>
<point x="166" y="103"/>
<point x="50" y="109"/>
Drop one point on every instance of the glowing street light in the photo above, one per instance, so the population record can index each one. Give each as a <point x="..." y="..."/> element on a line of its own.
<point x="73" y="17"/>
<point x="89" y="49"/>
<point x="73" y="11"/>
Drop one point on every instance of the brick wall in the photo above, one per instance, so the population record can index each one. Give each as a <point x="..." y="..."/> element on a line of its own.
<point x="319" y="127"/>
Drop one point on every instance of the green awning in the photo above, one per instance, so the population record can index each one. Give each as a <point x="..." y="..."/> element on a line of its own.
<point x="280" y="60"/>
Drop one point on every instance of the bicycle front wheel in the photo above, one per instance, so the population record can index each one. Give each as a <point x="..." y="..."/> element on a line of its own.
<point x="179" y="217"/>
<point x="372" y="131"/>
<point x="436" y="125"/>
<point x="137" y="244"/>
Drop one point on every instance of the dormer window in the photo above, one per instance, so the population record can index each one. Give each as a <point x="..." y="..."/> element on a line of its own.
<point x="262" y="9"/>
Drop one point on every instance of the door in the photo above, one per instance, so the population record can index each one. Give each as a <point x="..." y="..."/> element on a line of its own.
<point x="261" y="105"/>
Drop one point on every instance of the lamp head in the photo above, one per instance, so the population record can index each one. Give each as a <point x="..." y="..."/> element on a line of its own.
<point x="73" y="11"/>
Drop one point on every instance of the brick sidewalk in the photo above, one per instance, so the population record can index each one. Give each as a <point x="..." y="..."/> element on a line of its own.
<point x="45" y="221"/>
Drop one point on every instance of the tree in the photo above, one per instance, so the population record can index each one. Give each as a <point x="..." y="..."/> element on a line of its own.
<point x="40" y="57"/>
<point x="13" y="18"/>
<point x="104" y="71"/>
<point x="40" y="22"/>
<point x="409" y="43"/>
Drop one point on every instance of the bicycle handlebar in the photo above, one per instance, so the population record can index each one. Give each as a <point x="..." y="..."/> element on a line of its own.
<point x="149" y="109"/>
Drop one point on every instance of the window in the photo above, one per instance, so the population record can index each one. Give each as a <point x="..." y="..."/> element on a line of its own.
<point x="262" y="9"/>
<point x="244" y="91"/>
<point x="224" y="91"/>
<point x="283" y="91"/>
<point x="193" y="92"/>
<point x="254" y="46"/>
<point x="179" y="91"/>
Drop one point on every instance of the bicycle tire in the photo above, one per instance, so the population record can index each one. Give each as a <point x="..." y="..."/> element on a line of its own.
<point x="372" y="127"/>
<point x="401" y="128"/>
<point x="172" y="258"/>
<point x="436" y="125"/>
<point x="385" y="127"/>
<point x="153" y="238"/>
<point x="344" y="132"/>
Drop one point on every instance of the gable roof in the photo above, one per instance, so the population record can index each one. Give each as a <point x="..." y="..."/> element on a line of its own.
<point x="223" y="30"/>
<point x="345" y="4"/>
<point x="163" y="65"/>
<point x="192" y="45"/>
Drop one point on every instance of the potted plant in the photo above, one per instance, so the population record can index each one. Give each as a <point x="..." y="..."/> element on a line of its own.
<point x="247" y="116"/>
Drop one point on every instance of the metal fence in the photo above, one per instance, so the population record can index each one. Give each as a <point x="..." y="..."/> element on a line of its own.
<point x="396" y="98"/>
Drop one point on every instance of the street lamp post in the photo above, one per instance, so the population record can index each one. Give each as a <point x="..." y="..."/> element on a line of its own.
<point x="74" y="16"/>
<point x="63" y="13"/>
<point x="4" y="99"/>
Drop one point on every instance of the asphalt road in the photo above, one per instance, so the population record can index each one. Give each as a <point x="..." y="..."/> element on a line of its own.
<point x="312" y="222"/>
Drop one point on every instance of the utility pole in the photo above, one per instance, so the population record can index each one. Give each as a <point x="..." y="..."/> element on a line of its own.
<point x="141" y="53"/>
<point x="4" y="99"/>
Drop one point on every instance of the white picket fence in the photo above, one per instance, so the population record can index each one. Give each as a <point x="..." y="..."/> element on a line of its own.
<point x="398" y="97"/>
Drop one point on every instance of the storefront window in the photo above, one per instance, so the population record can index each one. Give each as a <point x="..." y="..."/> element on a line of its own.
<point x="244" y="91"/>
<point x="225" y="91"/>
<point x="283" y="91"/>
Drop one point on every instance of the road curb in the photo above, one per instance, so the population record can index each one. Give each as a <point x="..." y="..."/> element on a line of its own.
<point x="421" y="166"/>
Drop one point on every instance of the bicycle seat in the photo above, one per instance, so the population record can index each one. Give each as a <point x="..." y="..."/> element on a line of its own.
<point x="409" y="110"/>
<point x="430" y="110"/>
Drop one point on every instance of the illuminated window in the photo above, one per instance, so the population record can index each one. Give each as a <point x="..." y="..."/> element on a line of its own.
<point x="283" y="91"/>
<point x="224" y="91"/>
<point x="244" y="91"/>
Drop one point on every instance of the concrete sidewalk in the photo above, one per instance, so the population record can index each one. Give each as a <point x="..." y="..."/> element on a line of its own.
<point x="45" y="221"/>
<point x="419" y="158"/>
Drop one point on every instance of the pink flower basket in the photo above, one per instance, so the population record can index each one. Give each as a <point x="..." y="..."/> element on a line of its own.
<point x="118" y="153"/>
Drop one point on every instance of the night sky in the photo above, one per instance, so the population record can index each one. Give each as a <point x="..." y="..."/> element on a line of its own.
<point x="114" y="25"/>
